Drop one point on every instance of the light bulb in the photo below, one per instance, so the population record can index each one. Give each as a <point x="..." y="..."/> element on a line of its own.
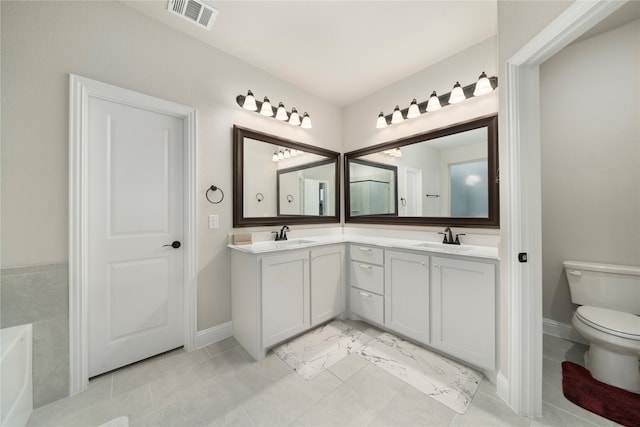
<point x="249" y="102"/>
<point x="414" y="110"/>
<point x="397" y="116"/>
<point x="287" y="154"/>
<point x="397" y="152"/>
<point x="280" y="155"/>
<point x="281" y="114"/>
<point x="306" y="121"/>
<point x="275" y="157"/>
<point x="434" y="102"/>
<point x="483" y="85"/>
<point x="457" y="94"/>
<point x="382" y="122"/>
<point x="295" y="118"/>
<point x="266" y="109"/>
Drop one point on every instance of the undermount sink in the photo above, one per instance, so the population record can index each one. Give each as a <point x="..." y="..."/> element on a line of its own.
<point x="282" y="244"/>
<point x="444" y="247"/>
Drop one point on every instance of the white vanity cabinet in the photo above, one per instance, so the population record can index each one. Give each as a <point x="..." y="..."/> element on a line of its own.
<point x="327" y="283"/>
<point x="277" y="295"/>
<point x="285" y="296"/>
<point x="406" y="294"/>
<point x="463" y="312"/>
<point x="366" y="279"/>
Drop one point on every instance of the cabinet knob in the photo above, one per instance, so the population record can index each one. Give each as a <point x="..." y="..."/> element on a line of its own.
<point x="436" y="266"/>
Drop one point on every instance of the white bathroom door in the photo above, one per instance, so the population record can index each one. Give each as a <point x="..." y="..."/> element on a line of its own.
<point x="135" y="213"/>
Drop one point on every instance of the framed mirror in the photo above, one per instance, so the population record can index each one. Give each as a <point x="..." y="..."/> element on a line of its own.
<point x="277" y="181"/>
<point x="446" y="177"/>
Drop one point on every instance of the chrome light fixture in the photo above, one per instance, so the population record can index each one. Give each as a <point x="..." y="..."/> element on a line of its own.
<point x="458" y="94"/>
<point x="265" y="108"/>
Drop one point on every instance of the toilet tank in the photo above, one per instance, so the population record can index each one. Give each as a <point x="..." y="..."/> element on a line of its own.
<point x="616" y="287"/>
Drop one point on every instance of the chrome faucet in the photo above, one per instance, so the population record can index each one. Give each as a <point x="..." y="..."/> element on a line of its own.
<point x="282" y="235"/>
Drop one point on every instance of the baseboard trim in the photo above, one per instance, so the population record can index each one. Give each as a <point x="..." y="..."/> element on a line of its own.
<point x="561" y="330"/>
<point x="214" y="334"/>
<point x="502" y="387"/>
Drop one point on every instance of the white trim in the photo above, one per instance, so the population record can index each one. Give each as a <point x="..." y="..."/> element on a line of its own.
<point x="524" y="230"/>
<point x="502" y="387"/>
<point x="214" y="334"/>
<point x="562" y="330"/>
<point x="80" y="89"/>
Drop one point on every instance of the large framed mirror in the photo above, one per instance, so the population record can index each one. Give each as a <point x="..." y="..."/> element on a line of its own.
<point x="277" y="181"/>
<point x="448" y="176"/>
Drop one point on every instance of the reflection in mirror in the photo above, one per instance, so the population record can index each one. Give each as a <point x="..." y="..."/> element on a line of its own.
<point x="278" y="181"/>
<point x="444" y="177"/>
<point x="373" y="188"/>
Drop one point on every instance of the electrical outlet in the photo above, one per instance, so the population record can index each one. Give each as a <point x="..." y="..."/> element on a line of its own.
<point x="213" y="221"/>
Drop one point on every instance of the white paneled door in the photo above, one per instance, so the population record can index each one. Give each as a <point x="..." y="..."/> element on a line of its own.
<point x="135" y="231"/>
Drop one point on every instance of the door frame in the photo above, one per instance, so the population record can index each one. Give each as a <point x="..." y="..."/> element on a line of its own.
<point x="522" y="389"/>
<point x="80" y="90"/>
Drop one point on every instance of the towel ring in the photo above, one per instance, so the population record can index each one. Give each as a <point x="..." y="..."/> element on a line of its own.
<point x="259" y="197"/>
<point x="289" y="198"/>
<point x="214" y="189"/>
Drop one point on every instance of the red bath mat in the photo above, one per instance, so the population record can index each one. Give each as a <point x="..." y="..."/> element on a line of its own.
<point x="608" y="401"/>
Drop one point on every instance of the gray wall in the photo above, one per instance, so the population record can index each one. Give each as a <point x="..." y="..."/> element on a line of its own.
<point x="590" y="146"/>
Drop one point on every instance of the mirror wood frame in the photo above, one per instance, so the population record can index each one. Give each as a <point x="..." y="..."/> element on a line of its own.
<point x="239" y="220"/>
<point x="493" y="218"/>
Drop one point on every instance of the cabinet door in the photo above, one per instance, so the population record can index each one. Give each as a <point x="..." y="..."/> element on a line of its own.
<point x="285" y="296"/>
<point x="406" y="294"/>
<point x="463" y="310"/>
<point x="327" y="283"/>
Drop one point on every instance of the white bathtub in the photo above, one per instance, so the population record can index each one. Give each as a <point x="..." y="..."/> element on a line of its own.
<point x="16" y="390"/>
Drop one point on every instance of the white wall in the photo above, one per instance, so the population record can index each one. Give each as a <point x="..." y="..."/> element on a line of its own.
<point x="590" y="145"/>
<point x="42" y="42"/>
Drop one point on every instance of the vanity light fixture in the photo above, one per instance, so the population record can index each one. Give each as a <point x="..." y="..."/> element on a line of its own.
<point x="414" y="111"/>
<point x="281" y="114"/>
<point x="283" y="153"/>
<point x="397" y="116"/>
<point x="483" y="86"/>
<point x="457" y="94"/>
<point x="265" y="108"/>
<point x="294" y="118"/>
<point x="434" y="103"/>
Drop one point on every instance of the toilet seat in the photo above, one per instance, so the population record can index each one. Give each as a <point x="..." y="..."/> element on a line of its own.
<point x="618" y="323"/>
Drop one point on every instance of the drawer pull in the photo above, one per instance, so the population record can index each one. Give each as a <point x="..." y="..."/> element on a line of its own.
<point x="364" y="294"/>
<point x="365" y="249"/>
<point x="366" y="266"/>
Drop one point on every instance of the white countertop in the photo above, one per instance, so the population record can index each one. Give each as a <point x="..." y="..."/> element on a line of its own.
<point x="489" y="252"/>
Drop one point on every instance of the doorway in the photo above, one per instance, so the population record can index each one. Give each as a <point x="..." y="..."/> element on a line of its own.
<point x="129" y="214"/>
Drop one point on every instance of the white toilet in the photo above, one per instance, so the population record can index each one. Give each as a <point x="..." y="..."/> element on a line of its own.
<point x="608" y="317"/>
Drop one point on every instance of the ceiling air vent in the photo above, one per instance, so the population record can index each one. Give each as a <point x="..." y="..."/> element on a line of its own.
<point x="195" y="11"/>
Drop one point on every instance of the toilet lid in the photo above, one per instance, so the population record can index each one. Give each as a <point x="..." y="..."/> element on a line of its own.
<point x="624" y="325"/>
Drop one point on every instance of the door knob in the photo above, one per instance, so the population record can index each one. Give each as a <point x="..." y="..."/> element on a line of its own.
<point x="175" y="245"/>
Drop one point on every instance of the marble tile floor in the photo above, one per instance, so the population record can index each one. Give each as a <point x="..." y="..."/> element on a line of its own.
<point x="220" y="386"/>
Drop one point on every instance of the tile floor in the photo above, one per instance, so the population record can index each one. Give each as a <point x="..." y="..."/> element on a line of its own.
<point x="219" y="386"/>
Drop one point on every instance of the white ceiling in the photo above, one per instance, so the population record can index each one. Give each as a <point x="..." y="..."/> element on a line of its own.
<point x="340" y="51"/>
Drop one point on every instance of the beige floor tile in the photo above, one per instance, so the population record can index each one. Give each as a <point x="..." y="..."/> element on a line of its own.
<point x="553" y="417"/>
<point x="348" y="366"/>
<point x="485" y="411"/>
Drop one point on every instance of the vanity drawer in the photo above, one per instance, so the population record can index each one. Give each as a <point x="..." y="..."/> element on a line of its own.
<point x="368" y="277"/>
<point x="366" y="254"/>
<point x="367" y="305"/>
